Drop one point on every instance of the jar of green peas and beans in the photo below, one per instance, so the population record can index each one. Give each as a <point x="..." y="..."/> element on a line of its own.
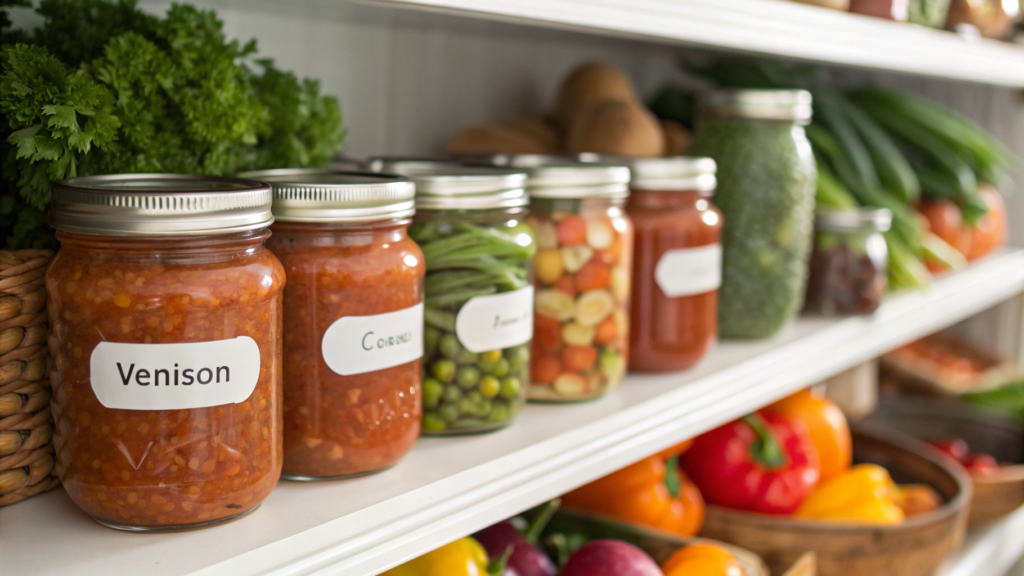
<point x="470" y="224"/>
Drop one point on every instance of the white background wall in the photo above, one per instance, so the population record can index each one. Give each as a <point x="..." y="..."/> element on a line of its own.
<point x="408" y="79"/>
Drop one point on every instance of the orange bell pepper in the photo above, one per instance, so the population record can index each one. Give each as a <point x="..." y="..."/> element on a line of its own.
<point x="640" y="493"/>
<point x="829" y="431"/>
<point x="702" y="559"/>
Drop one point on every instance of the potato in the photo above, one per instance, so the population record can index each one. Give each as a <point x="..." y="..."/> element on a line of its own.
<point x="592" y="82"/>
<point x="616" y="127"/>
<point x="519" y="137"/>
<point x="677" y="138"/>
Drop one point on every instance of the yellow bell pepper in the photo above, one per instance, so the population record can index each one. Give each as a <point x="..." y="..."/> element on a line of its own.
<point x="465" y="557"/>
<point x="865" y="494"/>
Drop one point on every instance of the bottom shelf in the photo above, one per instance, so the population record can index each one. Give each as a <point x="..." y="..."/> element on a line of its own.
<point x="990" y="550"/>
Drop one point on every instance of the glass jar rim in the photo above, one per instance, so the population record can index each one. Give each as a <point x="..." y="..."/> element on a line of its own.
<point x="322" y="195"/>
<point x="159" y="205"/>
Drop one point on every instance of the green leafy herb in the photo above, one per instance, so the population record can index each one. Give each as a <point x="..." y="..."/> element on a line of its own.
<point x="103" y="88"/>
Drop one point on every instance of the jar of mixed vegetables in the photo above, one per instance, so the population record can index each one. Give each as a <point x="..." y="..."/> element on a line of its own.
<point x="677" y="262"/>
<point x="849" y="262"/>
<point x="479" y="296"/>
<point x="582" y="275"/>
<point x="353" y="320"/>
<point x="165" y="316"/>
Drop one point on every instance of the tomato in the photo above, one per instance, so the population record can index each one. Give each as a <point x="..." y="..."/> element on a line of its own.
<point x="989" y="232"/>
<point x="981" y="464"/>
<point x="953" y="447"/>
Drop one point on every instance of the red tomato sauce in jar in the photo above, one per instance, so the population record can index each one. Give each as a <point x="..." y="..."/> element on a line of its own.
<point x="353" y="322"/>
<point x="676" y="263"/>
<point x="166" y="344"/>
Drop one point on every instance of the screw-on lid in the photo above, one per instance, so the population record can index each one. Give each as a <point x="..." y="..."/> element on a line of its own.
<point x="400" y="164"/>
<point x="672" y="173"/>
<point x="567" y="177"/>
<point x="792" y="105"/>
<point x="874" y="219"/>
<point x="159" y="205"/>
<point x="452" y="187"/>
<point x="317" y="195"/>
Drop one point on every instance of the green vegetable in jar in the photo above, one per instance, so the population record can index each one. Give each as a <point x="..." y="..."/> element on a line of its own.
<point x="766" y="186"/>
<point x="465" y="260"/>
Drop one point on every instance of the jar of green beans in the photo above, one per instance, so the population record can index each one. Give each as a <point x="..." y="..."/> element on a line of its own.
<point x="470" y="224"/>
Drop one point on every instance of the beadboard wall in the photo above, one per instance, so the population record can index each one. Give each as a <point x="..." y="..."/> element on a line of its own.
<point x="407" y="79"/>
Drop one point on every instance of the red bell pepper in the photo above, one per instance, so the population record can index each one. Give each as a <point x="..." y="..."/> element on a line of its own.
<point x="760" y="463"/>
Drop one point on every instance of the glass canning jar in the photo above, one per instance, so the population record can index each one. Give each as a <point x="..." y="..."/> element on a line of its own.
<point x="479" y="297"/>
<point x="582" y="275"/>
<point x="849" y="263"/>
<point x="165" y="315"/>
<point x="677" y="262"/>
<point x="766" y="179"/>
<point x="353" y="320"/>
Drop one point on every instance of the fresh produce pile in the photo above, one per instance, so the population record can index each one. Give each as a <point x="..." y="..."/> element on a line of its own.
<point x="977" y="463"/>
<point x="652" y="492"/>
<point x="794" y="458"/>
<point x="597" y="110"/>
<point x="104" y="88"/>
<point x="516" y="547"/>
<point x="890" y="149"/>
<point x="464" y="390"/>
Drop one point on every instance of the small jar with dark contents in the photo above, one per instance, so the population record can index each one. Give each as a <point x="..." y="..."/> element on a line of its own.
<point x="849" y="264"/>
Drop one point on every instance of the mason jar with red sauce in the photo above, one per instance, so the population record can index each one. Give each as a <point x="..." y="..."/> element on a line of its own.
<point x="353" y="320"/>
<point x="165" y="316"/>
<point x="677" y="262"/>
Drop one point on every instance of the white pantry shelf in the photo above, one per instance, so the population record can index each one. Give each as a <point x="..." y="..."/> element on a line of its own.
<point x="447" y="488"/>
<point x="775" y="28"/>
<point x="989" y="550"/>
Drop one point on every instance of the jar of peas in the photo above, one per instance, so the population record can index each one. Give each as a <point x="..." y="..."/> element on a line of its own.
<point x="478" y="307"/>
<point x="583" y="275"/>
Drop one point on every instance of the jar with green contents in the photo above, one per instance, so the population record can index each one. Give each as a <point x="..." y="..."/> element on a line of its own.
<point x="478" y="309"/>
<point x="766" y="181"/>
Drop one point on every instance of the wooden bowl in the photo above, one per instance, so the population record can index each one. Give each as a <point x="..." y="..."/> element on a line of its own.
<point x="984" y="430"/>
<point x="658" y="544"/>
<point x="914" y="548"/>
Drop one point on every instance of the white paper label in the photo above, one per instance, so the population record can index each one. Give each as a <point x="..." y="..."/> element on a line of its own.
<point x="174" y="376"/>
<point x="496" y="321"/>
<point x="358" y="344"/>
<point x="688" y="271"/>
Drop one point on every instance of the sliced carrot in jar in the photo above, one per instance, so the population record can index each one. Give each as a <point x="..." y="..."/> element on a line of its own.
<point x="579" y="358"/>
<point x="571" y="231"/>
<point x="606" y="331"/>
<point x="547" y="334"/>
<point x="545" y="369"/>
<point x="566" y="284"/>
<point x="594" y="275"/>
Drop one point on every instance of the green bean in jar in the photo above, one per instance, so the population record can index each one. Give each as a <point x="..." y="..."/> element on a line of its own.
<point x="478" y="307"/>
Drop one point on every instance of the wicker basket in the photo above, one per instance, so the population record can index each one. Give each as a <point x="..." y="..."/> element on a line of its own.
<point x="26" y="425"/>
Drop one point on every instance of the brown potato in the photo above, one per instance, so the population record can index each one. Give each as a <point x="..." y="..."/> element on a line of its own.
<point x="524" y="137"/>
<point x="677" y="138"/>
<point x="616" y="127"/>
<point x="592" y="82"/>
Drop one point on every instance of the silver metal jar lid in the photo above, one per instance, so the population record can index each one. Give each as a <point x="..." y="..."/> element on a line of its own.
<point x="873" y="219"/>
<point x="319" y="195"/>
<point x="568" y="177"/>
<point x="453" y="187"/>
<point x="159" y="205"/>
<point x="682" y="173"/>
<point x="792" y="105"/>
<point x="400" y="164"/>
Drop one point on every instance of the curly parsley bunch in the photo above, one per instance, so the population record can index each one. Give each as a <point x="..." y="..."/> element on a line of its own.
<point x="103" y="88"/>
